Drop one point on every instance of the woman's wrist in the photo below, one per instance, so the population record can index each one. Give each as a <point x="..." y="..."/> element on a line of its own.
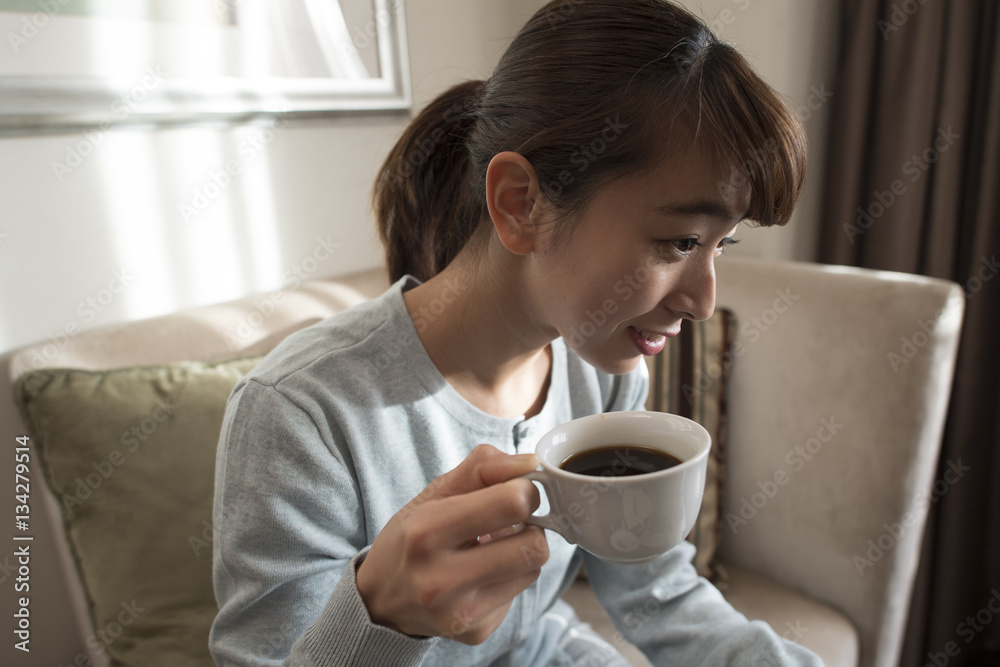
<point x="369" y="595"/>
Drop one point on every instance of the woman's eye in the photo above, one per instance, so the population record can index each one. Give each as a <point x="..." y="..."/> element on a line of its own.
<point x="684" y="246"/>
<point x="725" y="243"/>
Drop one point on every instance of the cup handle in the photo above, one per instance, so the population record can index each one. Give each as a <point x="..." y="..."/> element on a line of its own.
<point x="546" y="521"/>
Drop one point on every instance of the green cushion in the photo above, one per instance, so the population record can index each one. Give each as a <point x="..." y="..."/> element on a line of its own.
<point x="689" y="379"/>
<point x="130" y="454"/>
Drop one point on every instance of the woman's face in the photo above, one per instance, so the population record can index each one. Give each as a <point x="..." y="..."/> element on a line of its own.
<point x="640" y="258"/>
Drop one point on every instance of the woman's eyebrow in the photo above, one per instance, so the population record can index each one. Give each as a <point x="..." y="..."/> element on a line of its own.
<point x="700" y="207"/>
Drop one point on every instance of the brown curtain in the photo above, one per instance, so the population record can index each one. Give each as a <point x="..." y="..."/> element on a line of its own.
<point x="913" y="185"/>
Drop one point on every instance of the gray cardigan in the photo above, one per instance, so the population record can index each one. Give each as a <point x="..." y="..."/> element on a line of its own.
<point x="343" y="424"/>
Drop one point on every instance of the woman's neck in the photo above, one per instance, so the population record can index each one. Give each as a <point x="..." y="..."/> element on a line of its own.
<point x="480" y="330"/>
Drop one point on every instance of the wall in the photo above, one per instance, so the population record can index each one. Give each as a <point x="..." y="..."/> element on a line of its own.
<point x="107" y="242"/>
<point x="791" y="44"/>
<point x="65" y="237"/>
<point x="67" y="234"/>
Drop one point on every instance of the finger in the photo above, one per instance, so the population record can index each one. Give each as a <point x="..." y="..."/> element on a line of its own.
<point x="503" y="560"/>
<point x="492" y="604"/>
<point x="506" y="531"/>
<point x="452" y="482"/>
<point x="512" y="466"/>
<point x="528" y="550"/>
<point x="484" y="467"/>
<point x="472" y="630"/>
<point x="459" y="519"/>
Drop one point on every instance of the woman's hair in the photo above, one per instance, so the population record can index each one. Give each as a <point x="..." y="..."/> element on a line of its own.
<point x="589" y="91"/>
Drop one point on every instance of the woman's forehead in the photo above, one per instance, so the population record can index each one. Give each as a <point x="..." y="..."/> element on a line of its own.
<point x="694" y="181"/>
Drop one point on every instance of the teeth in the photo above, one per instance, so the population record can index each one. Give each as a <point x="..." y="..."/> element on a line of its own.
<point x="651" y="337"/>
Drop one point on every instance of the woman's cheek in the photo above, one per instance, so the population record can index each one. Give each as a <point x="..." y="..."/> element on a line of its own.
<point x="595" y="321"/>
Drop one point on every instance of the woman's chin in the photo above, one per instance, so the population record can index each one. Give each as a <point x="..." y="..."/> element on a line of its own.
<point x="610" y="363"/>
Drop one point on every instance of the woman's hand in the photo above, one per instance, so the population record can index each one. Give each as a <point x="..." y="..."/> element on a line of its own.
<point x="427" y="574"/>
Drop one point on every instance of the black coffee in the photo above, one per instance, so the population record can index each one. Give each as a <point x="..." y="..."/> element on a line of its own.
<point x="619" y="461"/>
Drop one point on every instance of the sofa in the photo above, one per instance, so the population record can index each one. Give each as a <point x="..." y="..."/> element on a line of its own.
<point x="832" y="388"/>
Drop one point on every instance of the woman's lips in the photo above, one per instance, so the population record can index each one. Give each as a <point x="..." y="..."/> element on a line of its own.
<point x="649" y="342"/>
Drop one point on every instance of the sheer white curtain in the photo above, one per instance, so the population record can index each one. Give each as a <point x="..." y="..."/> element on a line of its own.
<point x="306" y="38"/>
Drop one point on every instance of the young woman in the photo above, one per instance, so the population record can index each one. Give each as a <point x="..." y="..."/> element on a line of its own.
<point x="368" y="506"/>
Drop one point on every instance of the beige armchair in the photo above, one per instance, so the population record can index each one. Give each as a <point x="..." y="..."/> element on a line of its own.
<point x="838" y="394"/>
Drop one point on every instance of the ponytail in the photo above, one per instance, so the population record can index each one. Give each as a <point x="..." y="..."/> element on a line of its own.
<point x="423" y="205"/>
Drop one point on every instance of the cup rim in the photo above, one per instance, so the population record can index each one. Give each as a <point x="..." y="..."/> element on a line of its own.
<point x="687" y="464"/>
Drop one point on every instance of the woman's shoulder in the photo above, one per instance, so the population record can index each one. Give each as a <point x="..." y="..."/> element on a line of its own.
<point x="346" y="339"/>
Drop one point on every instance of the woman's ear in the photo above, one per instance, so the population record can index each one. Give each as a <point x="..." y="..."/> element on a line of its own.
<point x="514" y="200"/>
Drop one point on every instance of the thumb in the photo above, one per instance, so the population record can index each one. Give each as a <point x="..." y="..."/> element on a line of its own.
<point x="484" y="467"/>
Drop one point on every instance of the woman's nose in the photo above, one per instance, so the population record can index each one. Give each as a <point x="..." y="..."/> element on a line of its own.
<point x="693" y="296"/>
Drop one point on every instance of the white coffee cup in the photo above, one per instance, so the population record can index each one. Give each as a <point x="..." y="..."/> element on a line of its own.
<point x="629" y="519"/>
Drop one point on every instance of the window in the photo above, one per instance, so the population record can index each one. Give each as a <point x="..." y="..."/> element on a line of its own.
<point x="104" y="63"/>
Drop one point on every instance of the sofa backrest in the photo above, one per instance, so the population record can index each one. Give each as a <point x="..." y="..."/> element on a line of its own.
<point x="240" y="328"/>
<point x="838" y="396"/>
<point x="853" y="364"/>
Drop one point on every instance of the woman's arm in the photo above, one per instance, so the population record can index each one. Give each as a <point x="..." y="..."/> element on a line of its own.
<point x="426" y="575"/>
<point x="287" y="523"/>
<point x="678" y="618"/>
<point x="295" y="580"/>
<point x="674" y="616"/>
